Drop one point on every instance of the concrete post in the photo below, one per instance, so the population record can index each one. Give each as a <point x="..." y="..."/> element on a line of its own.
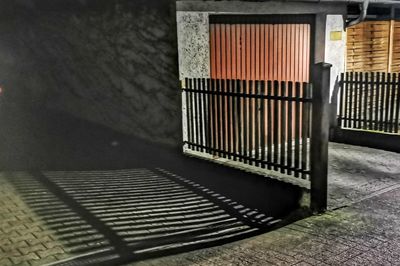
<point x="320" y="137"/>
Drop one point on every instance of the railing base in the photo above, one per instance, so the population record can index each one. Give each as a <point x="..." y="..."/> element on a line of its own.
<point x="305" y="184"/>
<point x="383" y="141"/>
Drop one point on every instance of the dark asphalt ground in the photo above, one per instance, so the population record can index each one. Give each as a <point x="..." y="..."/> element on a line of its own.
<point x="34" y="139"/>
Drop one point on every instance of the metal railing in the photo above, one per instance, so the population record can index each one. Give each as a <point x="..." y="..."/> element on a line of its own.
<point x="276" y="128"/>
<point x="370" y="101"/>
<point x="259" y="123"/>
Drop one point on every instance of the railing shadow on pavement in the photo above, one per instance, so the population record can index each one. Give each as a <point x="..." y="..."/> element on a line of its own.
<point x="117" y="216"/>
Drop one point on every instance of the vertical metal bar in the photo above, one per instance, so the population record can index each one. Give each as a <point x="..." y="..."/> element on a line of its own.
<point x="245" y="137"/>
<point x="239" y="117"/>
<point x="346" y="99"/>
<point x="187" y="98"/>
<point x="290" y="128"/>
<point x="262" y="118"/>
<point x="191" y="139"/>
<point x="234" y="119"/>
<point x="366" y="89"/>
<point x="382" y="102"/>
<point x="209" y="116"/>
<point x="319" y="140"/>
<point x="355" y="91"/>
<point x="202" y="114"/>
<point x="276" y="124"/>
<point x="387" y="102"/>
<point x="297" y="129"/>
<point x="397" y="109"/>
<point x="223" y="117"/>
<point x="199" y="131"/>
<point x="269" y="123"/>
<point x="214" y="116"/>
<point x="341" y="101"/>
<point x="218" y="115"/>
<point x="371" y="101"/>
<point x="377" y="98"/>
<point x="257" y="122"/>
<point x="228" y="114"/>
<point x="392" y="102"/>
<point x="305" y="128"/>
<point x="196" y="112"/>
<point x="283" y="127"/>
<point x="251" y="124"/>
<point x="360" y="100"/>
<point x="350" y="99"/>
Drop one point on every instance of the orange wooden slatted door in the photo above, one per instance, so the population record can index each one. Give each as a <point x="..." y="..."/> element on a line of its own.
<point x="260" y="51"/>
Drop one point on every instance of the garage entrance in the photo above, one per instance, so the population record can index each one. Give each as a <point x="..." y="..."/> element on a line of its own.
<point x="258" y="112"/>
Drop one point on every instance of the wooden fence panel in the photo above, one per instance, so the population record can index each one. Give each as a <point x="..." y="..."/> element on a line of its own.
<point x="368" y="47"/>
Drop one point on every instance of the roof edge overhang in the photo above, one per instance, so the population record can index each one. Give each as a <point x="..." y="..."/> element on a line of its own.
<point x="267" y="7"/>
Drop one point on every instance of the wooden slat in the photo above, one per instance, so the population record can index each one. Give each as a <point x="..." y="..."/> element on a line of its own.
<point x="368" y="47"/>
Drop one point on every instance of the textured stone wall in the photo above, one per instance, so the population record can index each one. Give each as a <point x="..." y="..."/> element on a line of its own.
<point x="113" y="64"/>
<point x="193" y="44"/>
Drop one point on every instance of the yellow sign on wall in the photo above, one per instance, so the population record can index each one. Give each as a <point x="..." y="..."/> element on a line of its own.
<point x="336" y="35"/>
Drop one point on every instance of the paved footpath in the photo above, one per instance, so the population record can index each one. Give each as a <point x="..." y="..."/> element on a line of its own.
<point x="362" y="227"/>
<point x="366" y="233"/>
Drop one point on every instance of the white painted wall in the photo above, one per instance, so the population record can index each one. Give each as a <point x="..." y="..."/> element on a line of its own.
<point x="335" y="49"/>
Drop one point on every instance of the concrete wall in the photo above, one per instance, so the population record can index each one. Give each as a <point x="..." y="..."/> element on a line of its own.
<point x="111" y="62"/>
<point x="193" y="35"/>
<point x="193" y="44"/>
<point x="193" y="26"/>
